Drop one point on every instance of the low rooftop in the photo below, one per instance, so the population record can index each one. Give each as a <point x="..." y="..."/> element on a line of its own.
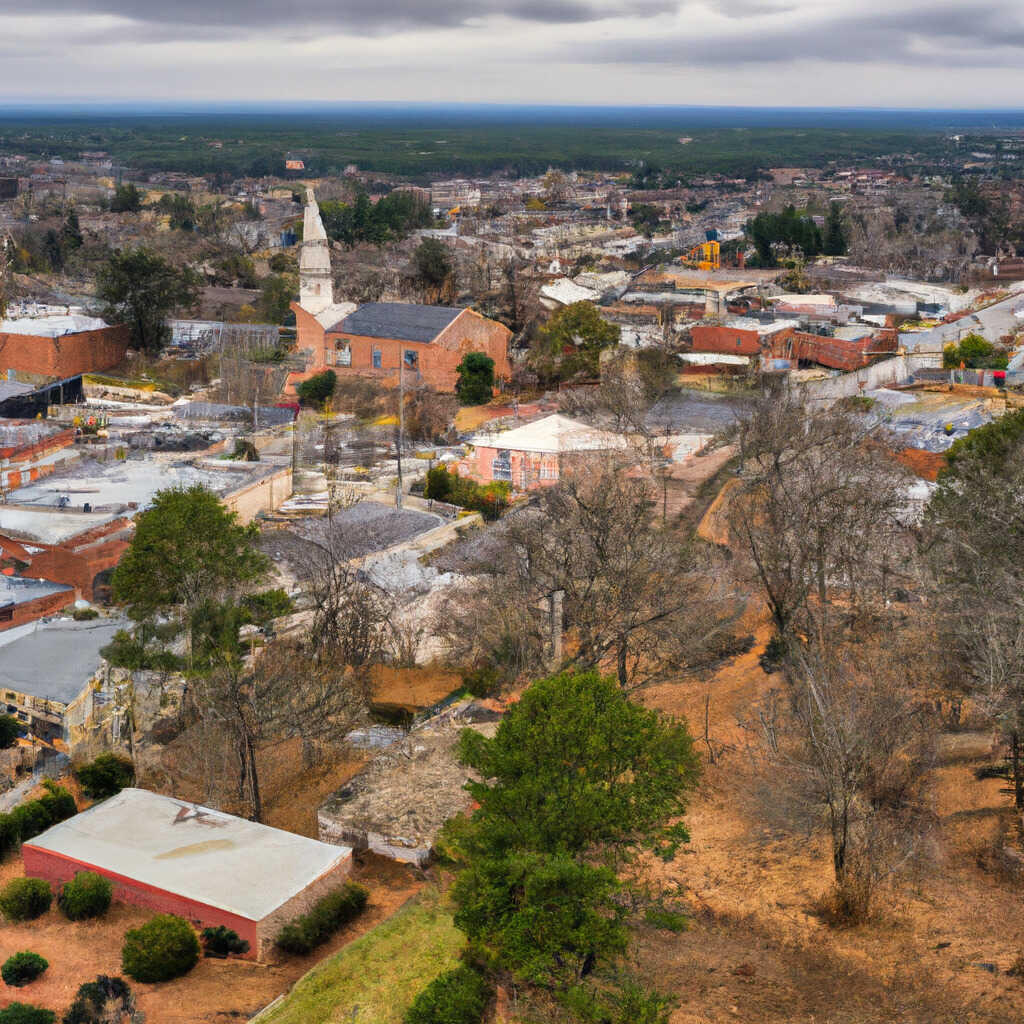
<point x="52" y="326"/>
<point x="554" y="434"/>
<point x="205" y="855"/>
<point x="54" y="660"/>
<point x="402" y="320"/>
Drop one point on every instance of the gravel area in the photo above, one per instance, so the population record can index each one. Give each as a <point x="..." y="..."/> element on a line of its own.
<point x="357" y="531"/>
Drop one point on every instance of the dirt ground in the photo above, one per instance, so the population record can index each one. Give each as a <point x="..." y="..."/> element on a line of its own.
<point x="759" y="951"/>
<point x="215" y="991"/>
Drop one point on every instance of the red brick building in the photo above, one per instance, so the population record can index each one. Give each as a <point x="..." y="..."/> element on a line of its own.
<point x="61" y="346"/>
<point x="382" y="340"/>
<point x="376" y="339"/>
<point x="201" y="864"/>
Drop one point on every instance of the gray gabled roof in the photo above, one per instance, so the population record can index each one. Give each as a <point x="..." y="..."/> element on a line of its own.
<point x="403" y="320"/>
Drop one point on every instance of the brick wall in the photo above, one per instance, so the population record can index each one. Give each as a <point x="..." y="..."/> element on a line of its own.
<point x="725" y="340"/>
<point x="84" y="352"/>
<point x="29" y="611"/>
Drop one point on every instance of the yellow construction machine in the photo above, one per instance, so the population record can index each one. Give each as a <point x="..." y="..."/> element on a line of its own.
<point x="706" y="256"/>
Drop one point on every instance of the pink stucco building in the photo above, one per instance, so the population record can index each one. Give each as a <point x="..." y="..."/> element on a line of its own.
<point x="534" y="455"/>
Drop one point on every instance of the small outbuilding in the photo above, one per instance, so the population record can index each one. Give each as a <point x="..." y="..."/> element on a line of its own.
<point x="206" y="866"/>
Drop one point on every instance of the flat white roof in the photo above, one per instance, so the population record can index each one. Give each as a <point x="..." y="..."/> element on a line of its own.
<point x="49" y="525"/>
<point x="52" y="326"/>
<point x="553" y="434"/>
<point x="205" y="855"/>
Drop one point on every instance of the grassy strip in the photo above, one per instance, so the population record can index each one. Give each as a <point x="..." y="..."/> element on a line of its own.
<point x="380" y="973"/>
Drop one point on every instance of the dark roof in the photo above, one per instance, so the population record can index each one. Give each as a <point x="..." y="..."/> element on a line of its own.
<point x="402" y="320"/>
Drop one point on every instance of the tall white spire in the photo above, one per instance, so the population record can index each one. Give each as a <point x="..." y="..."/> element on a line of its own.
<point x="316" y="285"/>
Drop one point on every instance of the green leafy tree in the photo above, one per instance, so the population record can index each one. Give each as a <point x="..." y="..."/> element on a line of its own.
<point x="10" y="729"/>
<point x="186" y="547"/>
<point x="576" y="775"/>
<point x="54" y="250"/>
<point x="645" y="218"/>
<point x="834" y="243"/>
<point x="71" y="232"/>
<point x="433" y="263"/>
<point x="475" y="385"/>
<point x="276" y="295"/>
<point x="141" y="289"/>
<point x="572" y="341"/>
<point x="165" y="947"/>
<point x="975" y="353"/>
<point x="126" y="199"/>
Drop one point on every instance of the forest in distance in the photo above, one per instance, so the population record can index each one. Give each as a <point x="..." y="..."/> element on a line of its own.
<point x="425" y="142"/>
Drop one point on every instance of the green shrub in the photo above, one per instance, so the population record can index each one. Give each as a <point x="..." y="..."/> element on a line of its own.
<point x="336" y="909"/>
<point x="483" y="681"/>
<point x="106" y="776"/>
<point x="9" y="835"/>
<point x="220" y="942"/>
<point x="10" y="729"/>
<point x="30" y="819"/>
<point x="20" y="969"/>
<point x="317" y="389"/>
<point x="25" y="899"/>
<point x="84" y="614"/>
<point x="667" y="920"/>
<point x="459" y="996"/>
<point x="86" y="895"/>
<point x="127" y="651"/>
<point x="627" y="1003"/>
<point x="165" y="947"/>
<point x="975" y="353"/>
<point x="58" y="803"/>
<point x="490" y="500"/>
<point x="23" y="1013"/>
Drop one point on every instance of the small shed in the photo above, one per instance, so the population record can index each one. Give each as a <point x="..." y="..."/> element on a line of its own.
<point x="176" y="857"/>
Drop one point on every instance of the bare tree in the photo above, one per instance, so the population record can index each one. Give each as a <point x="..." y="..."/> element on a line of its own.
<point x="636" y="597"/>
<point x="854" y="748"/>
<point x="819" y="514"/>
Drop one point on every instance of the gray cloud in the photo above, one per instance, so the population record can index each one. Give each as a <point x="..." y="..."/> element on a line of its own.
<point x="959" y="36"/>
<point x="182" y="18"/>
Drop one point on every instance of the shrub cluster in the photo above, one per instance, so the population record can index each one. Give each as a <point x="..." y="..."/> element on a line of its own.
<point x="23" y="1013"/>
<point x="165" y="947"/>
<point x="106" y="776"/>
<point x="20" y="969"/>
<point x="336" y="909"/>
<point x="318" y="389"/>
<point x="86" y="895"/>
<point x="10" y="730"/>
<point x="459" y="996"/>
<point x="25" y="899"/>
<point x="27" y="820"/>
<point x="220" y="942"/>
<point x="490" y="500"/>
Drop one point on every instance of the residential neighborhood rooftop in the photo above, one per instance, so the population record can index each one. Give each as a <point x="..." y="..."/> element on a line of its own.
<point x="552" y="434"/>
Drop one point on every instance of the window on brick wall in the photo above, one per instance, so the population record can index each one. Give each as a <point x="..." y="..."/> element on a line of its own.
<point x="412" y="359"/>
<point x="344" y="354"/>
<point x="378" y="358"/>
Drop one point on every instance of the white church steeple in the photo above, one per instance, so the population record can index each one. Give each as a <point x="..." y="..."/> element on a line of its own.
<point x="316" y="285"/>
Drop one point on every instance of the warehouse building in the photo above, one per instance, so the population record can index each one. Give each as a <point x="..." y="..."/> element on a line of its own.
<point x="211" y="868"/>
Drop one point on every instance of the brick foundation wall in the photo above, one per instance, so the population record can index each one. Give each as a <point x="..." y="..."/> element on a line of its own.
<point x="270" y="927"/>
<point x="29" y="611"/>
<point x="84" y="352"/>
<point x="57" y="869"/>
<point x="725" y="340"/>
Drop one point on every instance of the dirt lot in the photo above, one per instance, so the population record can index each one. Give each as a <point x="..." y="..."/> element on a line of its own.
<point x="758" y="949"/>
<point x="215" y="991"/>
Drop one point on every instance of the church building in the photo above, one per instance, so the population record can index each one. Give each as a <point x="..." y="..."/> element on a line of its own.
<point x="386" y="341"/>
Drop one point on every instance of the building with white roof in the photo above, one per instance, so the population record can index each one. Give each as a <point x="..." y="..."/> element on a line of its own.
<point x="206" y="866"/>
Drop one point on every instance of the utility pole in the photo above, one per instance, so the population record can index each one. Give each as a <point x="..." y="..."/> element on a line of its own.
<point x="401" y="428"/>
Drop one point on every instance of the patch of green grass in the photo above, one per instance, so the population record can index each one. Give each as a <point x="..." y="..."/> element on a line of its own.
<point x="380" y="973"/>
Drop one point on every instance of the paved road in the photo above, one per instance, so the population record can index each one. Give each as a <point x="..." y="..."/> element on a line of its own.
<point x="992" y="323"/>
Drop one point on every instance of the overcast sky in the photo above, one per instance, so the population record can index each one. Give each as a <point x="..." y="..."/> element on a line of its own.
<point x="895" y="53"/>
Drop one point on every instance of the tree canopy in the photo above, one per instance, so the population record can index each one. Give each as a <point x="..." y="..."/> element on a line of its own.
<point x="187" y="546"/>
<point x="476" y="379"/>
<point x="975" y="353"/>
<point x="141" y="289"/>
<point x="571" y="342"/>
